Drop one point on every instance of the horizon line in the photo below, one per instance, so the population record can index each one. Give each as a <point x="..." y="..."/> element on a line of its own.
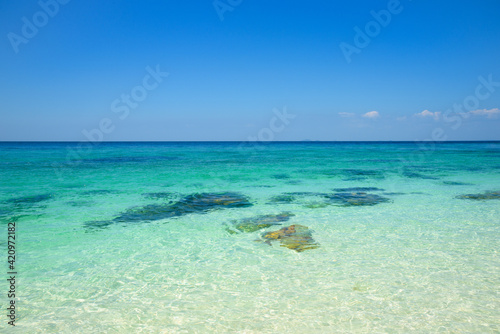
<point x="246" y="141"/>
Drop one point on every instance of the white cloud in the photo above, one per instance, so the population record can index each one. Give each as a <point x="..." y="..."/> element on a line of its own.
<point x="427" y="113"/>
<point x="490" y="113"/>
<point x="371" y="114"/>
<point x="346" y="114"/>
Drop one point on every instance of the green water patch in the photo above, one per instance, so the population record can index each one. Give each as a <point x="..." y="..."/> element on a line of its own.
<point x="376" y="160"/>
<point x="253" y="224"/>
<point x="350" y="174"/>
<point x="474" y="169"/>
<point x="131" y="159"/>
<point x="356" y="199"/>
<point x="487" y="195"/>
<point x="296" y="237"/>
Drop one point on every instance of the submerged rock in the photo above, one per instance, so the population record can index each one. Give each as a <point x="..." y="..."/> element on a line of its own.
<point x="304" y="193"/>
<point x="307" y="199"/>
<point x="282" y="199"/>
<point x="25" y="206"/>
<point x="253" y="224"/>
<point x="30" y="199"/>
<point x="207" y="201"/>
<point x="364" y="173"/>
<point x="356" y="199"/>
<point x="296" y="237"/>
<point x="355" y="178"/>
<point x="4" y="212"/>
<point x="484" y="196"/>
<point x="415" y="175"/>
<point x="357" y="189"/>
<point x="281" y="176"/>
<point x="261" y="186"/>
<point x="98" y="192"/>
<point x="80" y="203"/>
<point x="316" y="205"/>
<point x="159" y="195"/>
<point x="196" y="203"/>
<point x="454" y="183"/>
<point x="150" y="212"/>
<point x="96" y="225"/>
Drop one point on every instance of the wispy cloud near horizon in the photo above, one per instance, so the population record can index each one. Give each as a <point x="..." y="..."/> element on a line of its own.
<point x="490" y="113"/>
<point x="427" y="113"/>
<point x="346" y="114"/>
<point x="372" y="114"/>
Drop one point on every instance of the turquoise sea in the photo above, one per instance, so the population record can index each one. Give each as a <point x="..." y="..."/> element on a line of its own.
<point x="304" y="237"/>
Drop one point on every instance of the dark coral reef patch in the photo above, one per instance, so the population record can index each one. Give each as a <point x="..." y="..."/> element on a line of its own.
<point x="356" y="199"/>
<point x="416" y="175"/>
<point x="282" y="199"/>
<point x="487" y="195"/>
<point x="358" y="189"/>
<point x="159" y="195"/>
<point x="191" y="204"/>
<point x="362" y="174"/>
<point x="196" y="203"/>
<point x="455" y="183"/>
<point x="30" y="199"/>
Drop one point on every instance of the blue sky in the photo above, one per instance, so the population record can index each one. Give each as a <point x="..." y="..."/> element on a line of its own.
<point x="425" y="70"/>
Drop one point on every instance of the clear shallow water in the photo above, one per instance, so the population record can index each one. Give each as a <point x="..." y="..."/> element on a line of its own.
<point x="417" y="259"/>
